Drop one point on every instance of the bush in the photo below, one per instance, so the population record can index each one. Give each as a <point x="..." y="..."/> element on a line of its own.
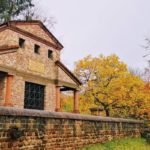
<point x="146" y="132"/>
<point x="148" y="138"/>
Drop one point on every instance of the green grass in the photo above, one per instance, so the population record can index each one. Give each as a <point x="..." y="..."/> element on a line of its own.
<point x="123" y="144"/>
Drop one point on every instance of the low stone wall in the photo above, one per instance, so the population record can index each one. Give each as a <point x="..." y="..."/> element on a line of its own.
<point x="146" y="131"/>
<point x="40" y="130"/>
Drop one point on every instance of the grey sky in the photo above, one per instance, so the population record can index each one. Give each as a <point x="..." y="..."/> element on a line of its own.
<point x="100" y="27"/>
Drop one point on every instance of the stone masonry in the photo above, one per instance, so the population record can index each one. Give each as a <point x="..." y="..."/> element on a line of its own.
<point x="27" y="66"/>
<point x="40" y="130"/>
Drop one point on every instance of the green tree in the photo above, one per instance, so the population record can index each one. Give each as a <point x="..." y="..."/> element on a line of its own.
<point x="11" y="9"/>
<point x="23" y="10"/>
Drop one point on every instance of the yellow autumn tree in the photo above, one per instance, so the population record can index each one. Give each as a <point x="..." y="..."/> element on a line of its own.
<point x="108" y="84"/>
<point x="66" y="102"/>
<point x="144" y="112"/>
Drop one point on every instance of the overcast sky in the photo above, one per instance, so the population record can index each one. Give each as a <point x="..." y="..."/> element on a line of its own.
<point x="100" y="27"/>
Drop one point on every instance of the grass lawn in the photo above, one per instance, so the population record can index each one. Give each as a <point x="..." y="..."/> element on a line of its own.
<point x="123" y="144"/>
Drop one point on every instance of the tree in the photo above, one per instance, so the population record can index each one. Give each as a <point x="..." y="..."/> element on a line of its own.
<point x="11" y="9"/>
<point x="35" y="13"/>
<point x="147" y="69"/>
<point x="109" y="84"/>
<point x="66" y="102"/>
<point x="147" y="47"/>
<point x="23" y="10"/>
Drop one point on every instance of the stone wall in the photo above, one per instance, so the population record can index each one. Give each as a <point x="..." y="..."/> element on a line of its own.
<point x="33" y="130"/>
<point x="62" y="76"/>
<point x="27" y="66"/>
<point x="18" y="65"/>
<point x="20" y="61"/>
<point x="36" y="30"/>
<point x="2" y="89"/>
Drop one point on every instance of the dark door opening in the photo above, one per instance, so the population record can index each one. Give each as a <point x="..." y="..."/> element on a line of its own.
<point x="34" y="96"/>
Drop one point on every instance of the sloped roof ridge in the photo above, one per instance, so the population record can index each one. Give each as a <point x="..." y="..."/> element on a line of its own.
<point x="9" y="23"/>
<point x="62" y="66"/>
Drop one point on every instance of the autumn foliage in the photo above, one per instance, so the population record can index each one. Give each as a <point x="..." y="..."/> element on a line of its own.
<point x="108" y="84"/>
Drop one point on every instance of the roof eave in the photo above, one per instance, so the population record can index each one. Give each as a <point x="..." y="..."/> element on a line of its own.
<point x="59" y="45"/>
<point x="62" y="66"/>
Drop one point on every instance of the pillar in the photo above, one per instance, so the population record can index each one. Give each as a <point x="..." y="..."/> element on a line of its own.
<point x="76" y="102"/>
<point x="57" y="98"/>
<point x="8" y="96"/>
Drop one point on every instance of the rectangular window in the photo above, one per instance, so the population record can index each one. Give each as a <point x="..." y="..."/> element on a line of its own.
<point x="21" y="42"/>
<point x="50" y="54"/>
<point x="37" y="49"/>
<point x="34" y="96"/>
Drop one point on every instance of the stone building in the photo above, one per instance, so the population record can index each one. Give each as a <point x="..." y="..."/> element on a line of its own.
<point x="31" y="73"/>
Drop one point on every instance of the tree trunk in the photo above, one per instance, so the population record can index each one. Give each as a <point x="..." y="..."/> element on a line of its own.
<point x="107" y="112"/>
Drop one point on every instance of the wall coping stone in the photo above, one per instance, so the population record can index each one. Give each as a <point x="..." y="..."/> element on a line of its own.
<point x="9" y="111"/>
